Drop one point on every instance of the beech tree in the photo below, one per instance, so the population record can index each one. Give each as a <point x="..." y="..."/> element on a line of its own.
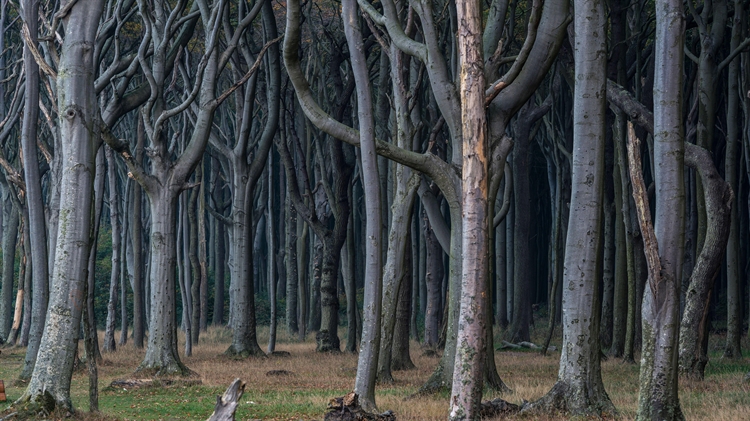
<point x="79" y="125"/>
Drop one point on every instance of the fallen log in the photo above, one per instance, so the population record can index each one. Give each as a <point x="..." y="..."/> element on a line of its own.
<point x="147" y="383"/>
<point x="522" y="345"/>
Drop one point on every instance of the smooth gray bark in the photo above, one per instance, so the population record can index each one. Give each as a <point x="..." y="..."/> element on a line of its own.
<point x="34" y="196"/>
<point x="367" y="362"/>
<point x="79" y="130"/>
<point x="579" y="390"/>
<point x="658" y="398"/>
<point x="114" y="216"/>
<point x="10" y="239"/>
<point x="733" y="348"/>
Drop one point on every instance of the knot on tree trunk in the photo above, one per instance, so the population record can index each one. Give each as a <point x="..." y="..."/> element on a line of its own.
<point x="346" y="408"/>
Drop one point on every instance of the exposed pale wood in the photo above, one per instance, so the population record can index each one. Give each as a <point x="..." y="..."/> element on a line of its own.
<point x="226" y="405"/>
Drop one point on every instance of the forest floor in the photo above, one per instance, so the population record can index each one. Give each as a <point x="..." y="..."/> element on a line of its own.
<point x="316" y="378"/>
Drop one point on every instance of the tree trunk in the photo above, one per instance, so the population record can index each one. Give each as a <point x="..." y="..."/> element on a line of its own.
<point x="733" y="348"/>
<point x="658" y="398"/>
<point x="114" y="216"/>
<point x="270" y="243"/>
<point x="195" y="266"/>
<point x="219" y="237"/>
<point x="433" y="278"/>
<point x="579" y="390"/>
<point x="10" y="239"/>
<point x="162" y="357"/>
<point x="98" y="206"/>
<point x="718" y="207"/>
<point x="139" y="292"/>
<point x="371" y="319"/>
<point x="202" y="323"/>
<point x="290" y="260"/>
<point x="468" y="374"/>
<point x="34" y="195"/>
<point x="350" y="285"/>
<point x="400" y="358"/>
<point x="124" y="277"/>
<point x="78" y="123"/>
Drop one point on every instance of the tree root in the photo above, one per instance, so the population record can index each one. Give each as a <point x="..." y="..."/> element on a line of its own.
<point x="563" y="399"/>
<point x="347" y="408"/>
<point x="498" y="408"/>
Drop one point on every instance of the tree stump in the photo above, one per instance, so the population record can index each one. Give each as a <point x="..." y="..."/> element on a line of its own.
<point x="346" y="408"/>
<point x="226" y="405"/>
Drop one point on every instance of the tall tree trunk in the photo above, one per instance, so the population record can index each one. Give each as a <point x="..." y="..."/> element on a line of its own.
<point x="733" y="348"/>
<point x="78" y="123"/>
<point x="202" y="323"/>
<point x="195" y="266"/>
<point x="433" y="278"/>
<point x="124" y="277"/>
<point x="579" y="390"/>
<point x="468" y="374"/>
<point x="219" y="237"/>
<point x="114" y="216"/>
<point x="657" y="397"/>
<point x="371" y="321"/>
<point x="139" y="290"/>
<point x="34" y="195"/>
<point x="718" y="207"/>
<point x="350" y="284"/>
<point x="270" y="243"/>
<point x="10" y="240"/>
<point x="91" y="278"/>
<point x="162" y="357"/>
<point x="290" y="260"/>
<point x="401" y="360"/>
<point x="402" y="205"/>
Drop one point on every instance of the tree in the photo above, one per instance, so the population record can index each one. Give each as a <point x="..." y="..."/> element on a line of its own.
<point x="32" y="179"/>
<point x="367" y="362"/>
<point x="79" y="127"/>
<point x="664" y="243"/>
<point x="468" y="377"/>
<point x="579" y="389"/>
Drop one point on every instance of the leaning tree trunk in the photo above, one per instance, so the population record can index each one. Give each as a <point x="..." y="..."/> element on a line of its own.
<point x="579" y="390"/>
<point x="78" y="124"/>
<point x="402" y="206"/>
<point x="34" y="195"/>
<point x="658" y="398"/>
<point x="718" y="206"/>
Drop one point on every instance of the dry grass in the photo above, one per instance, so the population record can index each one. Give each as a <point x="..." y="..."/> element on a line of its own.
<point x="318" y="377"/>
